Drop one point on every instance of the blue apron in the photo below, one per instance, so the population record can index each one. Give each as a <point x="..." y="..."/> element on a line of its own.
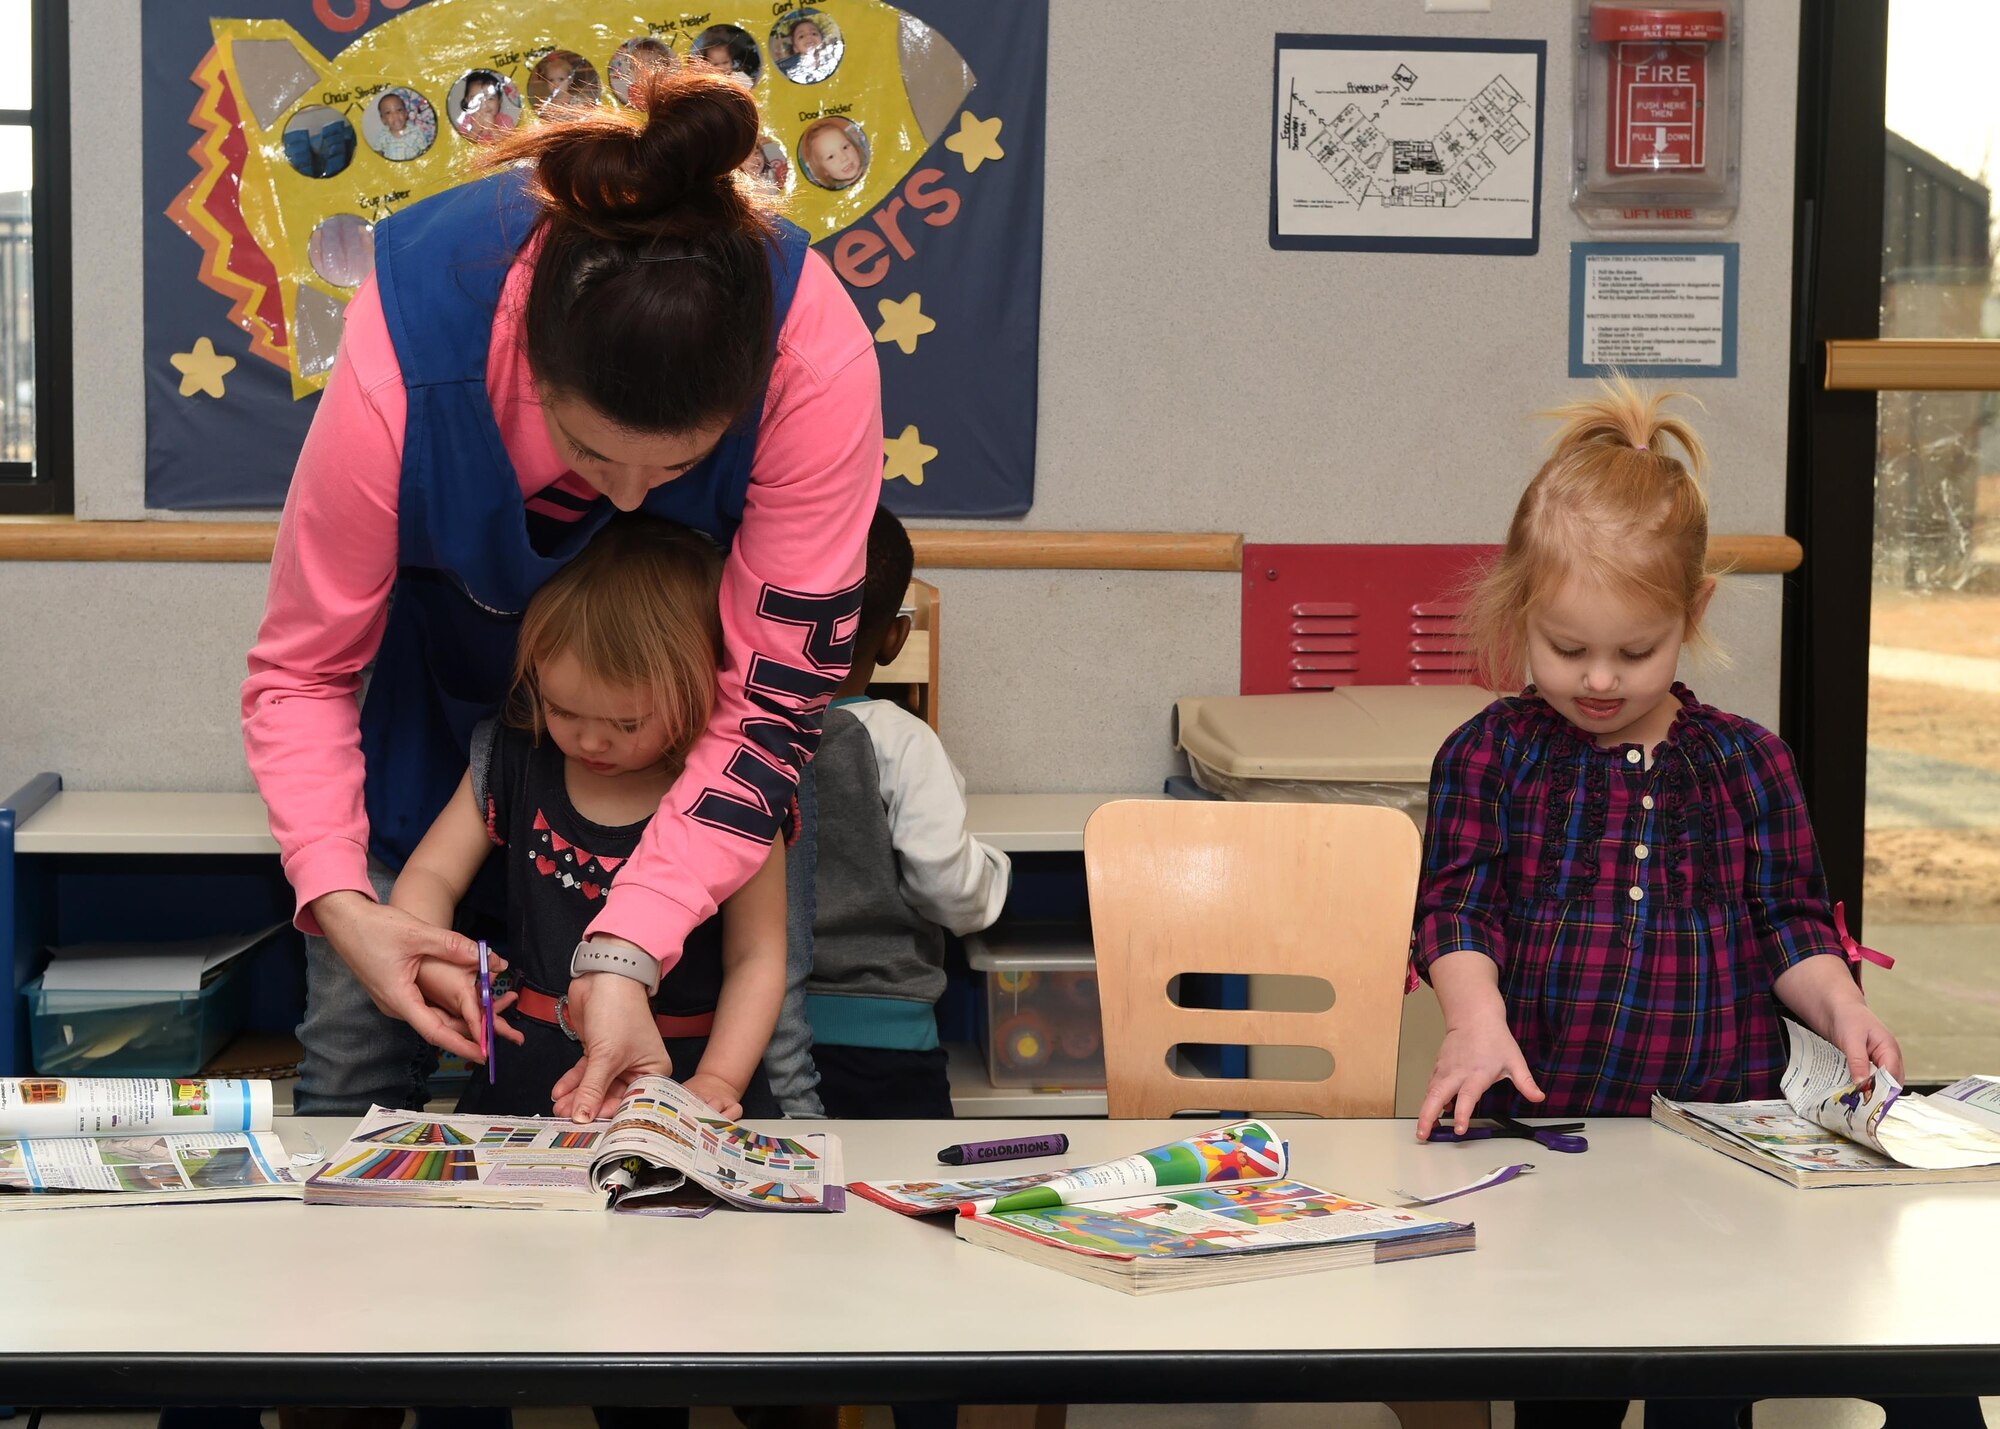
<point x="465" y="567"/>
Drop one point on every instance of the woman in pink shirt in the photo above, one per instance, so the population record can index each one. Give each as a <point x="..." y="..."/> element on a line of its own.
<point x="619" y="321"/>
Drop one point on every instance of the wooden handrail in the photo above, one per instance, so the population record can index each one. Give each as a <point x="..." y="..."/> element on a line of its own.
<point x="1912" y="364"/>
<point x="942" y="549"/>
<point x="61" y="538"/>
<point x="1755" y="555"/>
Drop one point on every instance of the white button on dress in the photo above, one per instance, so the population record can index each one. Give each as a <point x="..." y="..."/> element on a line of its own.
<point x="1635" y="893"/>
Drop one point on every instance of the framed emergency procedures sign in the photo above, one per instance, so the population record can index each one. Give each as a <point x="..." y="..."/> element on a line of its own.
<point x="1659" y="102"/>
<point x="905" y="137"/>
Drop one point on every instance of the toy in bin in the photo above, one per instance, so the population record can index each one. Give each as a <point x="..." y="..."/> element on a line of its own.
<point x="1044" y="1026"/>
<point x="141" y="1009"/>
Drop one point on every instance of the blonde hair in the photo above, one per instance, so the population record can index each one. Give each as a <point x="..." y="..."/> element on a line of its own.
<point x="639" y="608"/>
<point x="1611" y="507"/>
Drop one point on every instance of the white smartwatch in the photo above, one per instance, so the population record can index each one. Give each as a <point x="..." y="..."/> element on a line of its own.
<point x="615" y="955"/>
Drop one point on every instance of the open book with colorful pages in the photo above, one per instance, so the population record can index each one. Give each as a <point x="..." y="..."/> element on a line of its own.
<point x="1833" y="1131"/>
<point x="662" y="1151"/>
<point x="117" y="1141"/>
<point x="1211" y="1209"/>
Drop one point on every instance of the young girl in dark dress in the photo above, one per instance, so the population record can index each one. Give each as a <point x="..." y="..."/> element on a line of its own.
<point x="614" y="681"/>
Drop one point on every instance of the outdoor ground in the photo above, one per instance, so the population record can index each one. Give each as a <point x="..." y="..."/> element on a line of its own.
<point x="1932" y="874"/>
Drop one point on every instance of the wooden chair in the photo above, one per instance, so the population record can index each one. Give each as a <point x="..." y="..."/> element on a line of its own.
<point x="1304" y="890"/>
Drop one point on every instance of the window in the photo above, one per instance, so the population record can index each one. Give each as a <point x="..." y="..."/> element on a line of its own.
<point x="35" y="464"/>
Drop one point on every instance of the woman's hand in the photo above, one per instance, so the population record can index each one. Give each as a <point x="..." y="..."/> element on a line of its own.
<point x="455" y="991"/>
<point x="385" y="949"/>
<point x="1472" y="1058"/>
<point x="613" y="1016"/>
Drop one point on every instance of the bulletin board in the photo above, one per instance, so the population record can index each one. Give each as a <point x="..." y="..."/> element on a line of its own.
<point x="908" y="142"/>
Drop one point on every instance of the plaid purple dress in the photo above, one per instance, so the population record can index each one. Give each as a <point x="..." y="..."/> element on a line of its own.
<point x="1638" y="916"/>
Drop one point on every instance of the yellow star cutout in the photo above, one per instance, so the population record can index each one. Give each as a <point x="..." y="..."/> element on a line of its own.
<point x="903" y="323"/>
<point x="905" y="456"/>
<point x="976" y="141"/>
<point x="203" y="369"/>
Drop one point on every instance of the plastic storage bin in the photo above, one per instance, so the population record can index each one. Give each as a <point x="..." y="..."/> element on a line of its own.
<point x="96" y="1033"/>
<point x="1365" y="744"/>
<point x="1044" y="1026"/>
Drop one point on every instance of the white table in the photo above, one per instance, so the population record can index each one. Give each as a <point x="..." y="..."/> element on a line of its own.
<point x="1644" y="1265"/>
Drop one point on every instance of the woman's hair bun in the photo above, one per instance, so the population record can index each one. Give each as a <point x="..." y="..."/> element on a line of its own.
<point x="669" y="171"/>
<point x="699" y="127"/>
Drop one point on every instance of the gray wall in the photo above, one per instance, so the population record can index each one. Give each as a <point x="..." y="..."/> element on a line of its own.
<point x="1192" y="379"/>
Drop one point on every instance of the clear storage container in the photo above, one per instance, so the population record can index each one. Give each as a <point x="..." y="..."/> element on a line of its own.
<point x="105" y="1033"/>
<point x="1044" y="1026"/>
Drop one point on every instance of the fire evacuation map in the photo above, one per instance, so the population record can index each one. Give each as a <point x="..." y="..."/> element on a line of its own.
<point x="1428" y="149"/>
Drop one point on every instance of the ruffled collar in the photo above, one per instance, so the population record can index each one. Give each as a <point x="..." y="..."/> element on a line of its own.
<point x="1534" y="704"/>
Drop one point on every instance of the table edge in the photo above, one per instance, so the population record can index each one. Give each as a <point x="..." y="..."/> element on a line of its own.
<point x="1079" y="1377"/>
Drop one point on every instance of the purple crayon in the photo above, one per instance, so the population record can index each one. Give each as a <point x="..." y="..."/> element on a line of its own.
<point x="972" y="1152"/>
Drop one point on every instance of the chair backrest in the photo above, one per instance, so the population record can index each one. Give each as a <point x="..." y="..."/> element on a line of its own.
<point x="1317" y="890"/>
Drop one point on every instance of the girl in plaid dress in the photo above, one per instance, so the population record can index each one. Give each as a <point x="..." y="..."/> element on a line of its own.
<point x="1620" y="883"/>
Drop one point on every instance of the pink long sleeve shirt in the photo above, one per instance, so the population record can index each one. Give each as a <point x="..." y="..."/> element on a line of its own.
<point x="813" y="488"/>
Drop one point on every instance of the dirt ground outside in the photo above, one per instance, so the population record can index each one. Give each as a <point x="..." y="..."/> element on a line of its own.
<point x="1935" y="875"/>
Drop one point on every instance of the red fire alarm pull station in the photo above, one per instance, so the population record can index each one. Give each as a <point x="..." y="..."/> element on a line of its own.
<point x="1659" y="80"/>
<point x="1659" y="91"/>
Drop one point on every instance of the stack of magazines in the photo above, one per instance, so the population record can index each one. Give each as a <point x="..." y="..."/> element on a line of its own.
<point x="1212" y="1209"/>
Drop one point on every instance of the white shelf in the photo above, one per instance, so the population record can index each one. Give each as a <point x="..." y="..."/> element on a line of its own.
<point x="84" y="821"/>
<point x="974" y="1095"/>
<point x="1036" y="823"/>
<point x="93" y="822"/>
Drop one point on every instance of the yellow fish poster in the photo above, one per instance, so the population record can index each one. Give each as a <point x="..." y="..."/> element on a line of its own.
<point x="907" y="140"/>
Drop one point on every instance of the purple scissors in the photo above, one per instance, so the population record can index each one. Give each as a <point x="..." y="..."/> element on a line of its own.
<point x="1559" y="1136"/>
<point x="486" y="1007"/>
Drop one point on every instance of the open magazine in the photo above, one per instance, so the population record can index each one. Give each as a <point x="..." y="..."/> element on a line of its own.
<point x="1212" y="1209"/>
<point x="115" y="1141"/>
<point x="662" y="1151"/>
<point x="1833" y="1131"/>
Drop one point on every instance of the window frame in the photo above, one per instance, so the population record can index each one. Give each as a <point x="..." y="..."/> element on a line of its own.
<point x="1837" y="295"/>
<point x="47" y="486"/>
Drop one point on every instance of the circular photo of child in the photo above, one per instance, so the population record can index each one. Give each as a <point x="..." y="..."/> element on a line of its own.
<point x="833" y="152"/>
<point x="635" y="55"/>
<point x="563" y="77"/>
<point x="727" y="49"/>
<point x="483" y="105"/>
<point x="319" y="142"/>
<point x="399" y="125"/>
<point x="806" y="45"/>
<point x="342" y="249"/>
<point x="769" y="165"/>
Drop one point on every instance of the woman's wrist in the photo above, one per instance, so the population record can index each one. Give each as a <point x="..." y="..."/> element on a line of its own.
<point x="330" y="910"/>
